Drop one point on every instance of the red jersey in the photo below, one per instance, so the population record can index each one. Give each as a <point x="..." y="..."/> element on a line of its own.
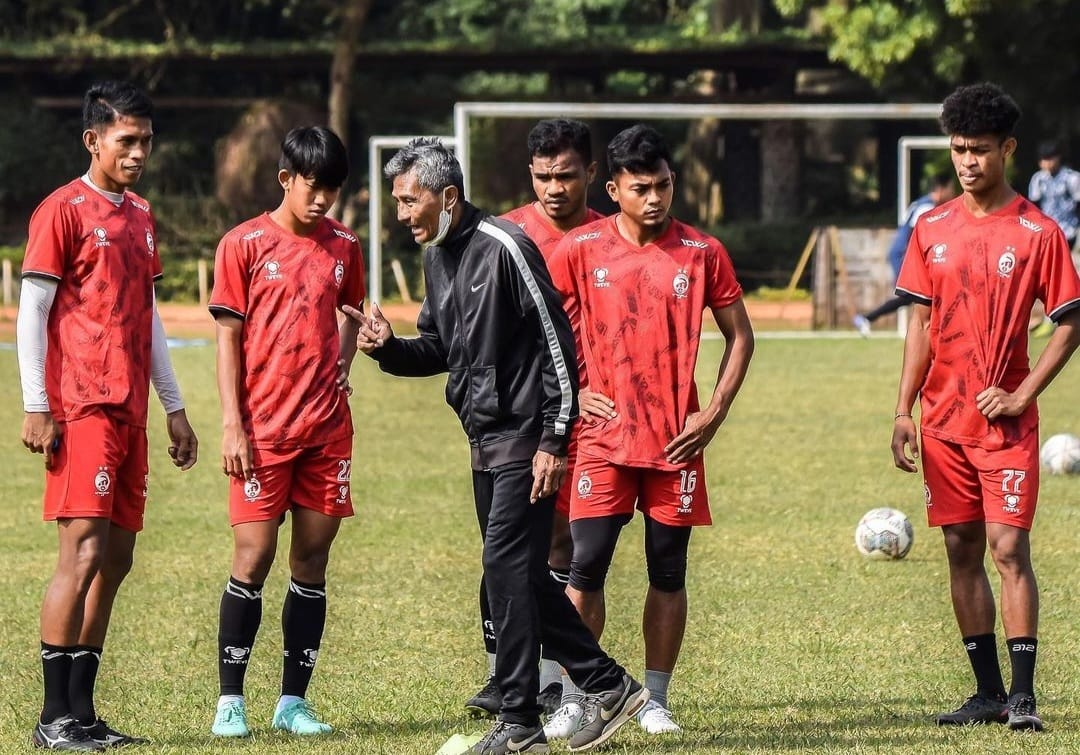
<point x="288" y="289"/>
<point x="104" y="258"/>
<point x="640" y="314"/>
<point x="980" y="277"/>
<point x="538" y="227"/>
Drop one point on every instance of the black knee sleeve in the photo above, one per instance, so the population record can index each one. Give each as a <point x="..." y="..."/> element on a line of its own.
<point x="594" y="545"/>
<point x="665" y="555"/>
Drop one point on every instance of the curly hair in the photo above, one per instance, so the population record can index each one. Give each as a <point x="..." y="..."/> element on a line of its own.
<point x="979" y="109"/>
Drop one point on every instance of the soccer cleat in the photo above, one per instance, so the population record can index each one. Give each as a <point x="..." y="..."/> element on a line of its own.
<point x="299" y="718"/>
<point x="862" y="325"/>
<point x="230" y="719"/>
<point x="977" y="709"/>
<point x="564" y="722"/>
<point x="487" y="702"/>
<point x="1022" y="713"/>
<point x="505" y="738"/>
<point x="550" y="698"/>
<point x="65" y="733"/>
<point x="654" y="718"/>
<point x="107" y="736"/>
<point x="606" y="711"/>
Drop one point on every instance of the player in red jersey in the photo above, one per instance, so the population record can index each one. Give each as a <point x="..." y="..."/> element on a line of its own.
<point x="90" y="343"/>
<point x="973" y="269"/>
<point x="641" y="281"/>
<point x="282" y="362"/>
<point x="561" y="169"/>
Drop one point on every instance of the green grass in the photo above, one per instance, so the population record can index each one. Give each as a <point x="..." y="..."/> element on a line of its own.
<point x="795" y="643"/>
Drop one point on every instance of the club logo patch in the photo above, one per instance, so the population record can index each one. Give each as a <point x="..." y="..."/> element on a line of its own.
<point x="252" y="488"/>
<point x="926" y="492"/>
<point x="1007" y="262"/>
<point x="584" y="486"/>
<point x="150" y="242"/>
<point x="339" y="272"/>
<point x="681" y="284"/>
<point x="236" y="655"/>
<point x="102" y="481"/>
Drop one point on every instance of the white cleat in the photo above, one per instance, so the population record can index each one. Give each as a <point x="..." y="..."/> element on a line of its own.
<point x="564" y="722"/>
<point x="654" y="718"/>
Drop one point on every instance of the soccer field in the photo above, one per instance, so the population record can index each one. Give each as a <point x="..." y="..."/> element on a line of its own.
<point x="795" y="643"/>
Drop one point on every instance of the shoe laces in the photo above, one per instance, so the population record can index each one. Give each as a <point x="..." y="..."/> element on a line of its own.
<point x="72" y="730"/>
<point x="303" y="709"/>
<point x="231" y="711"/>
<point x="493" y="734"/>
<point x="1023" y="706"/>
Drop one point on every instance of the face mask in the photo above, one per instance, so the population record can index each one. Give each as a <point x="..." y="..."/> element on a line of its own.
<point x="444" y="224"/>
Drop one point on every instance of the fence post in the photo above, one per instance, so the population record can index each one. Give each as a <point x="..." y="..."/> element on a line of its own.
<point x="9" y="284"/>
<point x="204" y="282"/>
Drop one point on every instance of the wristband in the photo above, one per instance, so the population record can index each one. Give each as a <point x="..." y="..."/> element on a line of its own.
<point x="901" y="414"/>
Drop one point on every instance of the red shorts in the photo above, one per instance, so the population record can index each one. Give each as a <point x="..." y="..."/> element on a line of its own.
<point x="314" y="478"/>
<point x="99" y="470"/>
<point x="674" y="497"/>
<point x="562" y="498"/>
<point x="971" y="484"/>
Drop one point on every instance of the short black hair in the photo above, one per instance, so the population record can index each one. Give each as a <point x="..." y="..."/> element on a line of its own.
<point x="638" y="149"/>
<point x="106" y="100"/>
<point x="550" y="137"/>
<point x="979" y="109"/>
<point x="315" y="152"/>
<point x="1049" y="150"/>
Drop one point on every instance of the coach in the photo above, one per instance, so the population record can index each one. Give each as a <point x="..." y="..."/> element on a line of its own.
<point x="492" y="320"/>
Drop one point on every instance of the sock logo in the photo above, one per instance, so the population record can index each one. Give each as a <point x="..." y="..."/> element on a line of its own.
<point x="236" y="655"/>
<point x="1023" y="647"/>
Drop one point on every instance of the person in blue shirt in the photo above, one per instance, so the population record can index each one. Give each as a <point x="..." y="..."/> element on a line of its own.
<point x="1056" y="189"/>
<point x="941" y="190"/>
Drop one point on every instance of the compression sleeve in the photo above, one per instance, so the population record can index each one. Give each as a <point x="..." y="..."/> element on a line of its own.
<point x="32" y="338"/>
<point x="161" y="369"/>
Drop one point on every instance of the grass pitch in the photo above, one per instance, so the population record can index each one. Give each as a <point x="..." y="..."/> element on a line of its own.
<point x="795" y="643"/>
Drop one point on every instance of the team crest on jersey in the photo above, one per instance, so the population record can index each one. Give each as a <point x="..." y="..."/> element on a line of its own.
<point x="339" y="272"/>
<point x="273" y="270"/>
<point x="600" y="278"/>
<point x="938" y="252"/>
<point x="252" y="488"/>
<point x="102" y="481"/>
<point x="680" y="284"/>
<point x="101" y="236"/>
<point x="1007" y="262"/>
<point x="150" y="242"/>
<point x="1030" y="225"/>
<point x="584" y="485"/>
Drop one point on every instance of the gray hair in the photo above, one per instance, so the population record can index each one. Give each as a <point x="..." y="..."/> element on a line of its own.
<point x="433" y="164"/>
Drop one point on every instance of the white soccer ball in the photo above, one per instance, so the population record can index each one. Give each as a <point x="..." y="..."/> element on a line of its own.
<point x="884" y="534"/>
<point x="1060" y="454"/>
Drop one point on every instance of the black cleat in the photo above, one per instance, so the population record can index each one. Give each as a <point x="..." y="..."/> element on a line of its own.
<point x="506" y="738"/>
<point x="977" y="709"/>
<point x="65" y="733"/>
<point x="550" y="698"/>
<point x="607" y="711"/>
<point x="107" y="736"/>
<point x="487" y="702"/>
<point x="1022" y="715"/>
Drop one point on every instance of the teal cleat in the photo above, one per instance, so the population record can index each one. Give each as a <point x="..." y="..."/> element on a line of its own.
<point x="231" y="719"/>
<point x="299" y="718"/>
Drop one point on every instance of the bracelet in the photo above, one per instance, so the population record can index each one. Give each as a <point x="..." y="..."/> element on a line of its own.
<point x="901" y="414"/>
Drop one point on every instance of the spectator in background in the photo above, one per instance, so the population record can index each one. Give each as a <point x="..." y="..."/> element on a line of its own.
<point x="941" y="190"/>
<point x="1056" y="189"/>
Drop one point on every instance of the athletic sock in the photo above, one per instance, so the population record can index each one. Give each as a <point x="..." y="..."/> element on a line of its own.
<point x="238" y="623"/>
<point x="303" y="618"/>
<point x="1022" y="652"/>
<point x="85" y="660"/>
<point x="56" y="673"/>
<point x="550" y="673"/>
<point x="491" y="665"/>
<point x="982" y="652"/>
<point x="487" y="626"/>
<point x="657" y="683"/>
<point x="571" y="693"/>
<point x="284" y="702"/>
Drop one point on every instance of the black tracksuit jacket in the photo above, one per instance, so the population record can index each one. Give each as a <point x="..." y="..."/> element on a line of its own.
<point x="493" y="320"/>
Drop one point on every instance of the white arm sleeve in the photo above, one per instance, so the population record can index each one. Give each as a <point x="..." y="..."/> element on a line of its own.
<point x="36" y="298"/>
<point x="161" y="370"/>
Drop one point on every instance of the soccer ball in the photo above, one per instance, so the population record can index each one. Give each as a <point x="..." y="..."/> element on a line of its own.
<point x="1060" y="454"/>
<point x="884" y="534"/>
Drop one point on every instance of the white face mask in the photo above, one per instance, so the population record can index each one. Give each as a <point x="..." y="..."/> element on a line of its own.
<point x="444" y="224"/>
